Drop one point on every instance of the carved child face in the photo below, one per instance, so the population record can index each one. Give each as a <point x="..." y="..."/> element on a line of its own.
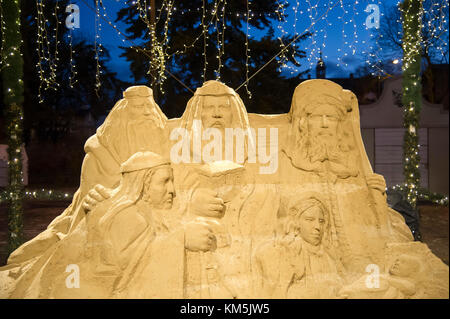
<point x="323" y="121"/>
<point x="140" y="106"/>
<point x="403" y="266"/>
<point x="310" y="225"/>
<point x="216" y="112"/>
<point x="160" y="191"/>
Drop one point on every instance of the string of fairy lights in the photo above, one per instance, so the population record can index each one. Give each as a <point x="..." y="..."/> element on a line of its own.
<point x="47" y="63"/>
<point x="423" y="195"/>
<point x="214" y="13"/>
<point x="247" y="49"/>
<point x="2" y="48"/>
<point x="40" y="194"/>
<point x="158" y="50"/>
<point x="412" y="15"/>
<point x="97" y="46"/>
<point x="205" y="41"/>
<point x="13" y="97"/>
<point x="160" y="58"/>
<point x="320" y="24"/>
<point x="73" y="71"/>
<point x="220" y="38"/>
<point x="160" y="55"/>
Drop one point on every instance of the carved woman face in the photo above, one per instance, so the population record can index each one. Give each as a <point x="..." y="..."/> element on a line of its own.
<point x="216" y="112"/>
<point x="310" y="225"/>
<point x="159" y="191"/>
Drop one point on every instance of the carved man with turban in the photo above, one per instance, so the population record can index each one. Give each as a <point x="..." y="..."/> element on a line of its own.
<point x="324" y="152"/>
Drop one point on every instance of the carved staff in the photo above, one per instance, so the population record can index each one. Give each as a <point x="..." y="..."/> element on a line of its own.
<point x="375" y="197"/>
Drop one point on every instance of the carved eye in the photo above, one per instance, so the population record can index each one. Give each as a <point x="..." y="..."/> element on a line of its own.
<point x="332" y="118"/>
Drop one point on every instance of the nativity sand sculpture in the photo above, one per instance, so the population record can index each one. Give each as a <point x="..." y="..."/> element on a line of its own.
<point x="313" y="224"/>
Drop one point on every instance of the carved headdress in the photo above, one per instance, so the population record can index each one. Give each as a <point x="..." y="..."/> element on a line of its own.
<point x="214" y="88"/>
<point x="143" y="160"/>
<point x="312" y="93"/>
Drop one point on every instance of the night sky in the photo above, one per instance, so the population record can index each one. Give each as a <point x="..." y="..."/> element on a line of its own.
<point x="340" y="58"/>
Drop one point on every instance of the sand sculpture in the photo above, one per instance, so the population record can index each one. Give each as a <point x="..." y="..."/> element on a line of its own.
<point x="224" y="204"/>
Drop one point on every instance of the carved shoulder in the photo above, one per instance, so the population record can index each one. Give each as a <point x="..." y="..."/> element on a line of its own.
<point x="126" y="228"/>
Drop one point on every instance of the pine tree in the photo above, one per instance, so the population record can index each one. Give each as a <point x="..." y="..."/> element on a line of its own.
<point x="13" y="91"/>
<point x="60" y="102"/>
<point x="271" y="90"/>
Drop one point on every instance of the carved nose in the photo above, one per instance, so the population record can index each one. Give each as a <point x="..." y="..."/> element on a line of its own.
<point x="217" y="113"/>
<point x="171" y="190"/>
<point x="147" y="110"/>
<point x="324" y="121"/>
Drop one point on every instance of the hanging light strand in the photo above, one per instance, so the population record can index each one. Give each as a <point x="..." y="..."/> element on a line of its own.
<point x="205" y="40"/>
<point x="2" y="49"/>
<point x="220" y="36"/>
<point x="73" y="72"/>
<point x="98" y="47"/>
<point x="247" y="51"/>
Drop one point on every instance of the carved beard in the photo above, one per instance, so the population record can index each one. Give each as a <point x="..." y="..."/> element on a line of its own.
<point x="311" y="152"/>
<point x="315" y="149"/>
<point x="320" y="148"/>
<point x="141" y="136"/>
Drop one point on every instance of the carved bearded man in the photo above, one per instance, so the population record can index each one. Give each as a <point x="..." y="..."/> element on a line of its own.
<point x="243" y="212"/>
<point x="324" y="153"/>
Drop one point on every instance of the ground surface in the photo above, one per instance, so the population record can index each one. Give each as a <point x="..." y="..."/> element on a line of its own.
<point x="434" y="229"/>
<point x="38" y="214"/>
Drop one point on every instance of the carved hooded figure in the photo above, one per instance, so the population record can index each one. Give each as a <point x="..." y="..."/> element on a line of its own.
<point x="130" y="124"/>
<point x="135" y="123"/>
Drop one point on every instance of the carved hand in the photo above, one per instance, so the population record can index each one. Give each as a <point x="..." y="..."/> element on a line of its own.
<point x="198" y="236"/>
<point x="96" y="195"/>
<point x="206" y="203"/>
<point x="376" y="181"/>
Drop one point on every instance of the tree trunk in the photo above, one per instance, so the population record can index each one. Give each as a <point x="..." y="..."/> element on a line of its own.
<point x="12" y="74"/>
<point x="412" y="94"/>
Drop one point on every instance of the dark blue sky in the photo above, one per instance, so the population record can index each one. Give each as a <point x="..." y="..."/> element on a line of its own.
<point x="342" y="34"/>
